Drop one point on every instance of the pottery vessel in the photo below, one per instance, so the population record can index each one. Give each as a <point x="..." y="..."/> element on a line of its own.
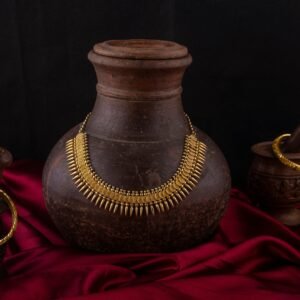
<point x="5" y="161"/>
<point x="136" y="136"/>
<point x="274" y="186"/>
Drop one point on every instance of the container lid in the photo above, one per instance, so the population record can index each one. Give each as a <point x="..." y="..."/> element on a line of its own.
<point x="141" y="49"/>
<point x="265" y="149"/>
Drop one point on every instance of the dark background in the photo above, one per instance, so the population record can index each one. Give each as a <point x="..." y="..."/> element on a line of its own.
<point x="243" y="86"/>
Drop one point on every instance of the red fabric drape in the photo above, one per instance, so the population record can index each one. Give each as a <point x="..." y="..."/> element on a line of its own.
<point x="251" y="256"/>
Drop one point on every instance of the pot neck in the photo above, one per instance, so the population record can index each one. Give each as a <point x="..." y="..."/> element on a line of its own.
<point x="138" y="91"/>
<point x="138" y="121"/>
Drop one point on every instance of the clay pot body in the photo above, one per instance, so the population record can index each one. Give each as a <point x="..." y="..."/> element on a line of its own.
<point x="2" y="248"/>
<point x="5" y="160"/>
<point x="275" y="186"/>
<point x="136" y="136"/>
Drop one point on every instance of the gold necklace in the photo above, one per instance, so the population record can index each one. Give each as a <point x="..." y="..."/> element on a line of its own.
<point x="127" y="202"/>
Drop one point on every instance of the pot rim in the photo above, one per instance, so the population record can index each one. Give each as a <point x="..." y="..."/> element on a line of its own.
<point x="141" y="49"/>
<point x="264" y="149"/>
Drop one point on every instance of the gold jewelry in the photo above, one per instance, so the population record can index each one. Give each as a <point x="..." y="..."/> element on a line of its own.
<point x="278" y="153"/>
<point x="127" y="202"/>
<point x="14" y="215"/>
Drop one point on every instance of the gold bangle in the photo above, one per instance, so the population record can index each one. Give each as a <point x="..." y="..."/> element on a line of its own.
<point x="278" y="153"/>
<point x="14" y="216"/>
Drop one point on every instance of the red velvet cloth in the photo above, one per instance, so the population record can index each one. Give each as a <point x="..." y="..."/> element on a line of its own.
<point x="251" y="256"/>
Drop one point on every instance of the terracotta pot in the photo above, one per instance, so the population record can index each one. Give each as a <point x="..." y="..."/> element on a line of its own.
<point x="275" y="187"/>
<point x="2" y="248"/>
<point x="136" y="137"/>
<point x="5" y="161"/>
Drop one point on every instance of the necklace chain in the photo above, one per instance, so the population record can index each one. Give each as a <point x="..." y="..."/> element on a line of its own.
<point x="128" y="202"/>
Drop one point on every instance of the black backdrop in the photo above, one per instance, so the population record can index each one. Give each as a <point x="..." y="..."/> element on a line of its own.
<point x="243" y="86"/>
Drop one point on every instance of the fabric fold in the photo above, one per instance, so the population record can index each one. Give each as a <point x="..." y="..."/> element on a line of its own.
<point x="251" y="255"/>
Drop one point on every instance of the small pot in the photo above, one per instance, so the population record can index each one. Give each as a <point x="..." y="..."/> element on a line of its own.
<point x="274" y="186"/>
<point x="2" y="209"/>
<point x="6" y="202"/>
